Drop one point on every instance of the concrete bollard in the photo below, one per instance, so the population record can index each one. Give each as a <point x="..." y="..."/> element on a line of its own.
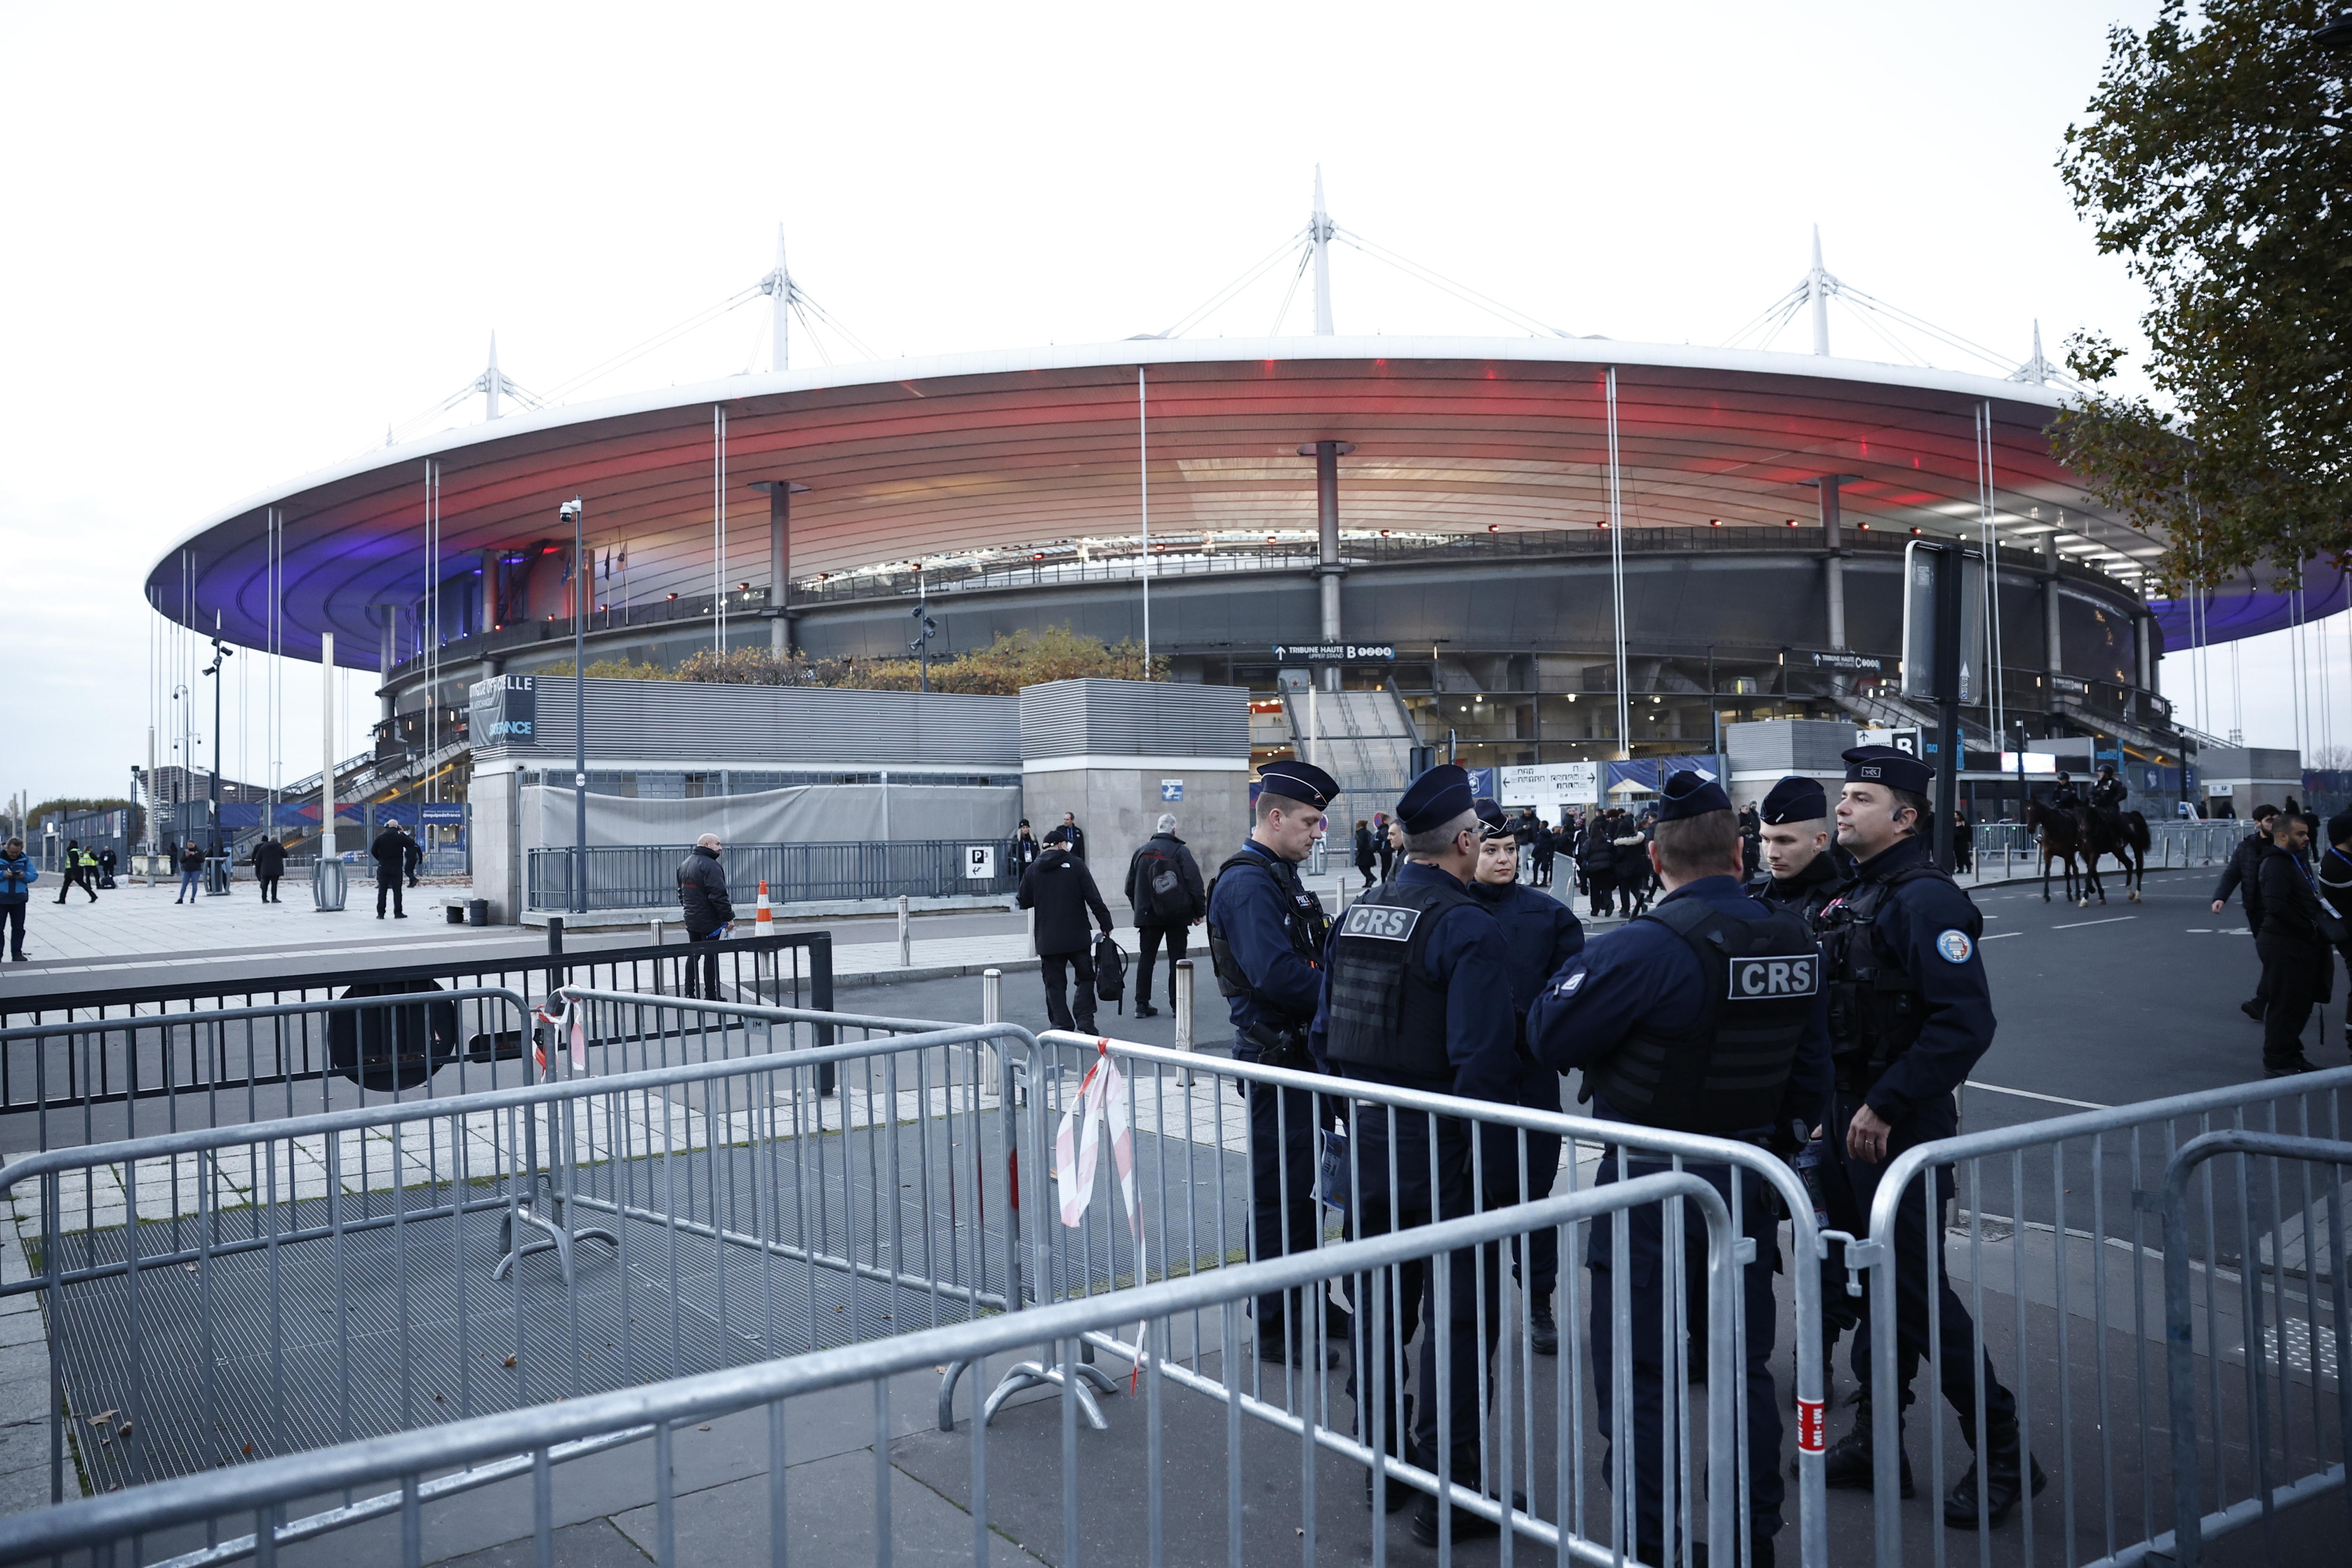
<point x="658" y="931"/>
<point x="906" y="939"/>
<point x="1182" y="969"/>
<point x="1032" y="933"/>
<point x="992" y="1011"/>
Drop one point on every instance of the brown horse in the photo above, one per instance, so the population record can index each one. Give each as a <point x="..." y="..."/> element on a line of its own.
<point x="2060" y="838"/>
<point x="2129" y="848"/>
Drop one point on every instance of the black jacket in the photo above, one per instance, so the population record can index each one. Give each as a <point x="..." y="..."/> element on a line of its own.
<point x="2290" y="902"/>
<point x="1077" y="837"/>
<point x="1188" y="872"/>
<point x="390" y="852"/>
<point x="1631" y="861"/>
<point x="412" y="855"/>
<point x="1021" y="854"/>
<point x="1061" y="889"/>
<point x="1367" y="851"/>
<point x="2239" y="876"/>
<point x="268" y="857"/>
<point x="702" y="890"/>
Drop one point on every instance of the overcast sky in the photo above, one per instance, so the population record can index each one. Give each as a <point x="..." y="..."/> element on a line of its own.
<point x="242" y="242"/>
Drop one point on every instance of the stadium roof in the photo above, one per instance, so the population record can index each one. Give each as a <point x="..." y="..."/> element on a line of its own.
<point x="915" y="457"/>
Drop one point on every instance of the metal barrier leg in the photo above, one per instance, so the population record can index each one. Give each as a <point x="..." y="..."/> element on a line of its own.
<point x="1025" y="1376"/>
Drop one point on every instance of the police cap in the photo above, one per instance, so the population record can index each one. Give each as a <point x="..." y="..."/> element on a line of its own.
<point x="1795" y="799"/>
<point x="1887" y="765"/>
<point x="1299" y="781"/>
<point x="1687" y="795"/>
<point x="1434" y="799"/>
<point x="1493" y="823"/>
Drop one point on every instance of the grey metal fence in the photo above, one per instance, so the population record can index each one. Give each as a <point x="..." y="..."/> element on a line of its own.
<point x="2283" y="1456"/>
<point x="226" y="1292"/>
<point x="635" y="877"/>
<point x="1019" y="1482"/>
<point x="1191" y="1131"/>
<point x="2058" y="1258"/>
<point x="73" y="1084"/>
<point x="2007" y="848"/>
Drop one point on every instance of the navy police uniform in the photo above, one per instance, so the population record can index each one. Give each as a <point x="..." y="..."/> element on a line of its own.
<point x="1797" y="800"/>
<point x="1706" y="1015"/>
<point x="1417" y="995"/>
<point x="1266" y="934"/>
<point x="1541" y="935"/>
<point x="1911" y="1015"/>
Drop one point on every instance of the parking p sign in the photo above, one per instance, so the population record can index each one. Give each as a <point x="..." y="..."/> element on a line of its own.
<point x="1171" y="789"/>
<point x="980" y="862"/>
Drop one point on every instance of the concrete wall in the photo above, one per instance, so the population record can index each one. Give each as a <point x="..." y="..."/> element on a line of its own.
<point x="1118" y="807"/>
<point x="496" y="845"/>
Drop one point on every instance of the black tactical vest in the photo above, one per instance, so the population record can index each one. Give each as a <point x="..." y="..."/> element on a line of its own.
<point x="1383" y="1013"/>
<point x="1877" y="1010"/>
<point x="1726" y="1072"/>
<point x="1308" y="926"/>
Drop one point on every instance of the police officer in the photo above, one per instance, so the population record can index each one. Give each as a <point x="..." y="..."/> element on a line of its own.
<point x="1266" y="933"/>
<point x="1802" y="869"/>
<point x="1542" y="934"/>
<point x="1706" y="1015"/>
<point x="1417" y="994"/>
<point x="2107" y="797"/>
<point x="2066" y="796"/>
<point x="1910" y="1016"/>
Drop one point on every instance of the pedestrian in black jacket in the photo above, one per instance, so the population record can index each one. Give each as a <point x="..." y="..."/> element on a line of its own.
<point x="269" y="864"/>
<point x="702" y="896"/>
<point x="1367" y="853"/>
<point x="1021" y="853"/>
<point x="2297" y="970"/>
<point x="412" y="855"/>
<point x="391" y="857"/>
<point x="1072" y="834"/>
<point x="1062" y="890"/>
<point x="1163" y="887"/>
<point x="2239" y="876"/>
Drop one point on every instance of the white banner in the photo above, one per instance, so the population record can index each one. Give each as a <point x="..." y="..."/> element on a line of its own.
<point x="1549" y="784"/>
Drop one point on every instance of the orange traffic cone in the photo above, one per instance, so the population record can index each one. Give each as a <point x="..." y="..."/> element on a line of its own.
<point x="764" y="922"/>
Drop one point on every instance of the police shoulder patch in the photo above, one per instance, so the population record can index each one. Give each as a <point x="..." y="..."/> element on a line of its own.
<point x="1568" y="986"/>
<point x="1955" y="946"/>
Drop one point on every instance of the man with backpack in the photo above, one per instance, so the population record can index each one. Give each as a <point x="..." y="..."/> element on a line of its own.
<point x="1163" y="887"/>
<point x="1062" y="890"/>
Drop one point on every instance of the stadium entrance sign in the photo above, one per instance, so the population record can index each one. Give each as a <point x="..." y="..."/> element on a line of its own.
<point x="1337" y="652"/>
<point x="1549" y="784"/>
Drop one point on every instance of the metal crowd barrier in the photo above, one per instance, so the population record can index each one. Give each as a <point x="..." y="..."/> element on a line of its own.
<point x="1020" y="1479"/>
<point x="121" y="1063"/>
<point x="2265" y="1429"/>
<point x="633" y="877"/>
<point x="1192" y="1138"/>
<point x="2008" y="847"/>
<point x="2058" y="1255"/>
<point x="226" y="1292"/>
<point x="83" y="1083"/>
<point x="793" y="970"/>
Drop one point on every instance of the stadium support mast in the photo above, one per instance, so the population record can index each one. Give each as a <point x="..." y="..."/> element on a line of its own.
<point x="1320" y="231"/>
<point x="779" y="284"/>
<point x="1817" y="291"/>
<point x="490" y="381"/>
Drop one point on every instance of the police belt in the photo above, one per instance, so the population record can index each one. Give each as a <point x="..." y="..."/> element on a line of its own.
<point x="1275" y="1047"/>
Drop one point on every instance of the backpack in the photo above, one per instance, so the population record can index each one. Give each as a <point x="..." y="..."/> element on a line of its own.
<point x="1161" y="884"/>
<point x="1110" y="972"/>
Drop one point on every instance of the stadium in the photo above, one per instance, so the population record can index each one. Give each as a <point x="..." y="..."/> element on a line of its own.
<point x="1534" y="549"/>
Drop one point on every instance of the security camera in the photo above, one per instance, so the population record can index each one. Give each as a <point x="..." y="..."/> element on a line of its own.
<point x="570" y="509"/>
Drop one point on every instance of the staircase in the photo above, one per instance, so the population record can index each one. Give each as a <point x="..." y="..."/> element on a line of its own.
<point x="1363" y="739"/>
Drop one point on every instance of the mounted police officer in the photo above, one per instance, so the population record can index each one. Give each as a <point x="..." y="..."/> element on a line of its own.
<point x="2066" y="796"/>
<point x="2107" y="797"/>
<point x="1542" y="934"/>
<point x="1910" y="1016"/>
<point x="1266" y="934"/>
<point x="1417" y="994"/>
<point x="1706" y="1015"/>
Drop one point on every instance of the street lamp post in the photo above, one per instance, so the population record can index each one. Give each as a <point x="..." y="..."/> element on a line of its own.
<point x="572" y="509"/>
<point x="221" y="654"/>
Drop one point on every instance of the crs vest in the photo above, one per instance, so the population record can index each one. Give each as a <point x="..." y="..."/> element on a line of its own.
<point x="1877" y="1010"/>
<point x="1383" y="1013"/>
<point x="1307" y="925"/>
<point x="1728" y="1071"/>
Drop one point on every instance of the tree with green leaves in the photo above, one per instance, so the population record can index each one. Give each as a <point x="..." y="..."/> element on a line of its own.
<point x="2218" y="160"/>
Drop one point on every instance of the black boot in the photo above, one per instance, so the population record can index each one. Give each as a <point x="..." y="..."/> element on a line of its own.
<point x="1544" y="1339"/>
<point x="2005" y="1459"/>
<point x="1849" y="1462"/>
<point x="1467" y="1526"/>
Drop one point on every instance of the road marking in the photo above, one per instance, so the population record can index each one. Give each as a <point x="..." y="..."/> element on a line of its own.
<point x="2077" y="925"/>
<point x="2201" y="931"/>
<point x="1999" y="934"/>
<point x="2029" y="1094"/>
